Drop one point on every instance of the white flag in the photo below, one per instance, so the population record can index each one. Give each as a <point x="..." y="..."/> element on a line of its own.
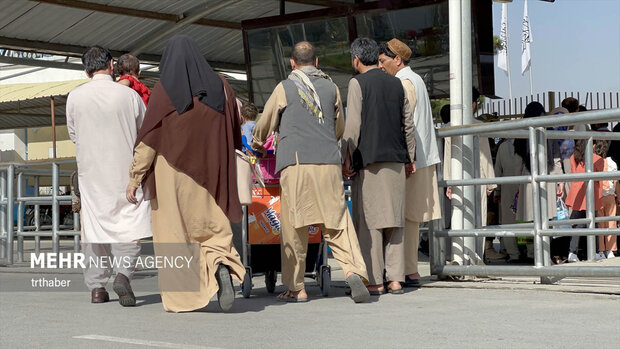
<point x="526" y="39"/>
<point x="502" y="58"/>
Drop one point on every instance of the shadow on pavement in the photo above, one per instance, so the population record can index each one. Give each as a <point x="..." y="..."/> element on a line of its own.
<point x="148" y="299"/>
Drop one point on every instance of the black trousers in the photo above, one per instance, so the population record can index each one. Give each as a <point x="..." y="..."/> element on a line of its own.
<point x="574" y="241"/>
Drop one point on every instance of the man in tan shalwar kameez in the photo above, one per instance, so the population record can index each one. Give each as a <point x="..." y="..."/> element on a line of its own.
<point x="103" y="119"/>
<point x="307" y="110"/>
<point x="422" y="190"/>
<point x="379" y="143"/>
<point x="185" y="161"/>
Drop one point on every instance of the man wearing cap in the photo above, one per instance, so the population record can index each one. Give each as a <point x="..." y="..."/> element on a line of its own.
<point x="422" y="192"/>
<point x="378" y="148"/>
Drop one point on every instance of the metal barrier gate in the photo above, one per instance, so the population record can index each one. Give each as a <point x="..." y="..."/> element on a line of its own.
<point x="12" y="177"/>
<point x="12" y="182"/>
<point x="534" y="129"/>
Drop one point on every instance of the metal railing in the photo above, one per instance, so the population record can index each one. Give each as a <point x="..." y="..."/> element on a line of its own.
<point x="516" y="106"/>
<point x="12" y="177"/>
<point x="12" y="183"/>
<point x="541" y="228"/>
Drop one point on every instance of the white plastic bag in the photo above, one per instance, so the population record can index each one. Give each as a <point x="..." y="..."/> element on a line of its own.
<point x="562" y="214"/>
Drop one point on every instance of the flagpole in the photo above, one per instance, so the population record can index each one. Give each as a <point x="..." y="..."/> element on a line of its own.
<point x="531" y="89"/>
<point x="505" y="8"/>
<point x="509" y="79"/>
<point x="504" y="56"/>
<point x="526" y="40"/>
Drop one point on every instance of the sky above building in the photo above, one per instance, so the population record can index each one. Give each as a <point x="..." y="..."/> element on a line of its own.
<point x="575" y="48"/>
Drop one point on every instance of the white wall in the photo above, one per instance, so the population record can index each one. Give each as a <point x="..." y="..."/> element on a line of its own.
<point x="12" y="145"/>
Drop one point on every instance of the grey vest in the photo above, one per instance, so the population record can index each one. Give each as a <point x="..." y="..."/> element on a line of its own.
<point x="302" y="137"/>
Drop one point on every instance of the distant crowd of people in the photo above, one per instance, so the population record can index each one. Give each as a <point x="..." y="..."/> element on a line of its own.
<point x="512" y="203"/>
<point x="564" y="200"/>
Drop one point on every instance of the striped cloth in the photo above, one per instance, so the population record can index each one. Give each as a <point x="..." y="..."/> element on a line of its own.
<point x="309" y="97"/>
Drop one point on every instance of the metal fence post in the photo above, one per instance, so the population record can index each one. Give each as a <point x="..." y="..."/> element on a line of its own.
<point x="55" y="209"/>
<point x="478" y="223"/>
<point x="439" y="250"/>
<point x="456" y="119"/>
<point x="431" y="245"/>
<point x="244" y="236"/>
<point x="3" y="208"/>
<point x="469" y="164"/>
<point x="443" y="246"/>
<point x="543" y="152"/>
<point x="590" y="212"/>
<point x="76" y="227"/>
<point x="10" y="176"/>
<point x="542" y="191"/>
<point x="438" y="247"/>
<point x="37" y="220"/>
<point x="20" y="217"/>
<point x="533" y="142"/>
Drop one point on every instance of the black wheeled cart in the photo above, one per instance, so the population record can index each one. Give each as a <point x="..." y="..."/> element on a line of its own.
<point x="260" y="239"/>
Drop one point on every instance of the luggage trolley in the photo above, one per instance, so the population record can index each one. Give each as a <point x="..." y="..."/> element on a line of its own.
<point x="260" y="236"/>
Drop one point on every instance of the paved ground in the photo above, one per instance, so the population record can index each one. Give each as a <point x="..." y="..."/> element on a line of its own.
<point x="500" y="313"/>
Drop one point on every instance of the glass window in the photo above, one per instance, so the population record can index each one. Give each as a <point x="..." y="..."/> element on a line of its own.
<point x="425" y="30"/>
<point x="270" y="52"/>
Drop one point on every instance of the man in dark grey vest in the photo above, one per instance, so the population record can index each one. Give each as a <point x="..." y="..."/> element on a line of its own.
<point x="379" y="138"/>
<point x="307" y="110"/>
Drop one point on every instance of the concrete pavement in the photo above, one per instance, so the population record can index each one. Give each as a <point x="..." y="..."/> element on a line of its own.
<point x="474" y="314"/>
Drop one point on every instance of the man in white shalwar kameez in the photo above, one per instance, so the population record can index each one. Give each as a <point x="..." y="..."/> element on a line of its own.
<point x="103" y="118"/>
<point x="422" y="190"/>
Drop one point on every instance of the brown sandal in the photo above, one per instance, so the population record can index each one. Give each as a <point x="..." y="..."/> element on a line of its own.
<point x="287" y="296"/>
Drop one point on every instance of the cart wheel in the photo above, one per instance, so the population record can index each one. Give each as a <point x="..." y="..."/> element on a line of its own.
<point x="246" y="286"/>
<point x="271" y="277"/>
<point x="326" y="280"/>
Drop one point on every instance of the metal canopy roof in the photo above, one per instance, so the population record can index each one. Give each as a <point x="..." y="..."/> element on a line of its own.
<point x="68" y="27"/>
<point x="28" y="105"/>
<point x="23" y="92"/>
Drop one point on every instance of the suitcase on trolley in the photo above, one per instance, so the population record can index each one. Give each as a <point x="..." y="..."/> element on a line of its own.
<point x="260" y="251"/>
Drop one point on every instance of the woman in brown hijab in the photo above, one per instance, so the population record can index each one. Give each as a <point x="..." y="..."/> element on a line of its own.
<point x="185" y="161"/>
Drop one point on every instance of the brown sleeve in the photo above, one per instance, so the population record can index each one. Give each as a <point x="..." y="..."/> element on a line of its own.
<point x="142" y="160"/>
<point x="269" y="120"/>
<point x="232" y="112"/>
<point x="160" y="106"/>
